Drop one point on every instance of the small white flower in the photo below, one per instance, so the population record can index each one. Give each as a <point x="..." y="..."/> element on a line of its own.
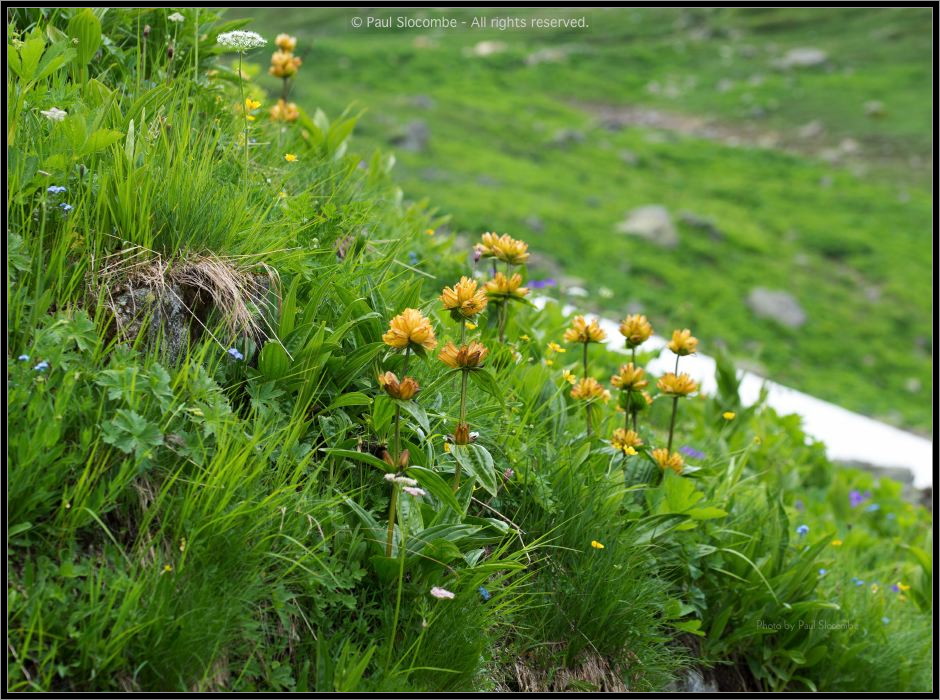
<point x="241" y="41"/>
<point x="442" y="593"/>
<point x="55" y="114"/>
<point x="390" y="477"/>
<point x="405" y="481"/>
<point x="413" y="491"/>
<point x="176" y="17"/>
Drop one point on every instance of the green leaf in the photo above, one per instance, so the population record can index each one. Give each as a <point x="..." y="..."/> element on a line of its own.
<point x="353" y="398"/>
<point x="416" y="411"/>
<point x="273" y="360"/>
<point x="690" y="626"/>
<point x="476" y="461"/>
<point x="85" y="27"/>
<point x="435" y="485"/>
<point x="101" y="139"/>
<point x="25" y="61"/>
<point x="707" y="513"/>
<point x="363" y="457"/>
<point x="130" y="432"/>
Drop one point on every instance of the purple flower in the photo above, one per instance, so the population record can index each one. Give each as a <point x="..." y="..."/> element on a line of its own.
<point x="66" y="207"/>
<point x="691" y="452"/>
<point x="857" y="581"/>
<point x="822" y="572"/>
<point x="798" y="504"/>
<point x="484" y="594"/>
<point x="896" y="588"/>
<point x="541" y="284"/>
<point x="857" y="498"/>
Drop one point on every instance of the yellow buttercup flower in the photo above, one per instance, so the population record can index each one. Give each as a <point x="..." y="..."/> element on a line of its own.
<point x="290" y="157"/>
<point x="555" y="347"/>
<point x="524" y="338"/>
<point x="589" y="389"/>
<point x="501" y="287"/>
<point x="284" y="111"/>
<point x="250" y="117"/>
<point x="464" y="299"/>
<point x="683" y="342"/>
<point x="676" y="385"/>
<point x="903" y="586"/>
<point x="625" y="441"/>
<point x="469" y="356"/>
<point x="728" y="415"/>
<point x="596" y="544"/>
<point x="286" y="42"/>
<point x="470" y="326"/>
<point x="629" y="378"/>
<point x="569" y="377"/>
<point x="665" y="460"/>
<point x="251" y="104"/>
<point x="836" y="543"/>
<point x="636" y="329"/>
<point x="429" y="232"/>
<point x="284" y="64"/>
<point x="404" y="390"/>
<point x="410" y="328"/>
<point x="167" y="568"/>
<point x="583" y="332"/>
<point x="549" y="363"/>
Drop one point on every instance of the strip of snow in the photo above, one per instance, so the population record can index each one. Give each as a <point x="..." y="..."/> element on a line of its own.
<point x="848" y="436"/>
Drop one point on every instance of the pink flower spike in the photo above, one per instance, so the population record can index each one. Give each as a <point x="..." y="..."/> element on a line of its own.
<point x="414" y="491"/>
<point x="441" y="593"/>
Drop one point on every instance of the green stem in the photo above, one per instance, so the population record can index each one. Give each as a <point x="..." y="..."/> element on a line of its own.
<point x="401" y="576"/>
<point x="392" y="509"/>
<point x="672" y="421"/>
<point x="590" y="424"/>
<point x="397" y="458"/>
<point x="196" y="47"/>
<point x="503" y="313"/>
<point x="463" y="417"/>
<point x="585" y="360"/>
<point x="241" y="85"/>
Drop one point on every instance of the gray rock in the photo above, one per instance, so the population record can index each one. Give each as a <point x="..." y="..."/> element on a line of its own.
<point x="691" y="680"/>
<point x="653" y="223"/>
<point x="629" y="157"/>
<point x="811" y="129"/>
<point x="702" y="223"/>
<point x="874" y="109"/>
<point x="163" y="311"/>
<point x="803" y="57"/>
<point x="776" y="305"/>
<point x="547" y="55"/>
<point x="423" y="102"/>
<point x="534" y="223"/>
<point x="414" y="137"/>
<point x="564" y="137"/>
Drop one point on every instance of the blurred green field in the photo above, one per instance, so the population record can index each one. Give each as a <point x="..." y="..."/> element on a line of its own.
<point x="812" y="180"/>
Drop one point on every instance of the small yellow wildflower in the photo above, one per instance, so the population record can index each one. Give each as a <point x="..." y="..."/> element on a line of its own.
<point x="524" y="338"/>
<point x="555" y="347"/>
<point x="167" y="568"/>
<point x="549" y="363"/>
<point x="446" y="447"/>
<point x="728" y="415"/>
<point x="625" y="441"/>
<point x="250" y="117"/>
<point x="596" y="544"/>
<point x="470" y="326"/>
<point x="903" y="586"/>
<point x="282" y="194"/>
<point x="836" y="543"/>
<point x="182" y="544"/>
<point x="429" y="231"/>
<point x="569" y="377"/>
<point x="251" y="104"/>
<point x="582" y="331"/>
<point x="874" y="588"/>
<point x="290" y="157"/>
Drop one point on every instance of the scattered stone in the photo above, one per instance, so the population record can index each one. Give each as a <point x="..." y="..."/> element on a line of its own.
<point x="547" y="55"/>
<point x="629" y="157"/>
<point x="488" y="48"/>
<point x="913" y="385"/>
<point x="691" y="680"/>
<point x="423" y="102"/>
<point x="724" y="85"/>
<point x="702" y="223"/>
<point x="487" y="181"/>
<point x="803" y="57"/>
<point x="776" y="305"/>
<point x="653" y="223"/>
<point x="434" y="175"/>
<point x="414" y="138"/>
<point x="826" y="181"/>
<point x="848" y="146"/>
<point x="534" y="223"/>
<point x="874" y="109"/>
<point x="812" y="129"/>
<point x="563" y="137"/>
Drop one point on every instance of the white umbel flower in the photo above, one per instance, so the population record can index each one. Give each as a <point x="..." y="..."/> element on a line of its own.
<point x="176" y="17"/>
<point x="55" y="114"/>
<point x="241" y="41"/>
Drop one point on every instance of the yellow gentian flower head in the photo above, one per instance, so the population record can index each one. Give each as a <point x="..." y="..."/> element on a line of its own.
<point x="284" y="64"/>
<point x="469" y="356"/>
<point x="284" y="111"/>
<point x="665" y="460"/>
<point x="676" y="385"/>
<point x="636" y="329"/>
<point x="583" y="332"/>
<point x="625" y="441"/>
<point x="286" y="42"/>
<point x="407" y="389"/>
<point x="410" y="328"/>
<point x="589" y="389"/>
<point x="683" y="342"/>
<point x="464" y="299"/>
<point x="629" y="378"/>
<point x="511" y="250"/>
<point x="501" y="287"/>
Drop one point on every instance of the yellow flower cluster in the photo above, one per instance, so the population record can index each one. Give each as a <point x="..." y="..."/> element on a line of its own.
<point x="589" y="389"/>
<point x="284" y="111"/>
<point x="676" y="385"/>
<point x="284" y="63"/>
<point x="410" y="329"/>
<point x="636" y="329"/>
<point x="629" y="378"/>
<point x="464" y="299"/>
<point x="469" y="356"/>
<point x="583" y="332"/>
<point x="668" y="460"/>
<point x="625" y="441"/>
<point x="503" y="288"/>
<point x="505" y="248"/>
<point x="683" y="342"/>
<point x="404" y="390"/>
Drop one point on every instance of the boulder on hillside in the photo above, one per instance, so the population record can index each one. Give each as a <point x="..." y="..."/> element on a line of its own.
<point x="776" y="305"/>
<point x="653" y="223"/>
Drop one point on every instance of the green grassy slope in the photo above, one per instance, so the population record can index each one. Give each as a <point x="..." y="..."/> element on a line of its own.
<point x="849" y="240"/>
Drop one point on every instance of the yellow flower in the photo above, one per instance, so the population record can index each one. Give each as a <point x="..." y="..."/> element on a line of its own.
<point x="589" y="389"/>
<point x="625" y="441"/>
<point x="874" y="588"/>
<point x="549" y="363"/>
<point x="903" y="586"/>
<point x="681" y="385"/>
<point x="728" y="415"/>
<point x="167" y="568"/>
<point x="464" y="299"/>
<point x="596" y="544"/>
<point x="282" y="194"/>
<point x="285" y="111"/>
<point x="410" y="328"/>
<point x="286" y="42"/>
<point x="404" y="390"/>
<point x="470" y="326"/>
<point x="555" y="347"/>
<point x="629" y="378"/>
<point x="569" y="377"/>
<point x="290" y="157"/>
<point x="583" y="332"/>
<point x="902" y="598"/>
<point x="524" y="338"/>
<point x="284" y="64"/>
<point x="251" y="104"/>
<point x="250" y="117"/>
<point x="836" y="543"/>
<point x="469" y="356"/>
<point x="683" y="342"/>
<point x="636" y="329"/>
<point x="501" y="287"/>
<point x="505" y="248"/>
<point x="429" y="232"/>
<point x="446" y="447"/>
<point x="665" y="460"/>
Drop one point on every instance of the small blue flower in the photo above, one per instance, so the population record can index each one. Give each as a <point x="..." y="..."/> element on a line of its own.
<point x="235" y="354"/>
<point x="42" y="366"/>
<point x="885" y="620"/>
<point x="23" y="358"/>
<point x="873" y="507"/>
<point x="857" y="581"/>
<point x="484" y="594"/>
<point x="896" y="588"/>
<point x="55" y="189"/>
<point x="823" y="572"/>
<point x="798" y="504"/>
<point x="891" y="516"/>
<point x="66" y="207"/>
<point x="413" y="257"/>
<point x="802" y="530"/>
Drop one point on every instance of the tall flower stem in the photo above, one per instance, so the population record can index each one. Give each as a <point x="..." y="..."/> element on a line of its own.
<point x="633" y="410"/>
<point x="241" y="86"/>
<point x="585" y="360"/>
<point x="588" y="418"/>
<point x="503" y="313"/>
<point x="393" y="503"/>
<point x="401" y="577"/>
<point x="462" y="419"/>
<point x="672" y="421"/>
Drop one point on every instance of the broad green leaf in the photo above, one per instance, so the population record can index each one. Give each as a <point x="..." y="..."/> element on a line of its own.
<point x="101" y="139"/>
<point x="435" y="485"/>
<point x="477" y="462"/>
<point x="354" y="398"/>
<point x="85" y="27"/>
